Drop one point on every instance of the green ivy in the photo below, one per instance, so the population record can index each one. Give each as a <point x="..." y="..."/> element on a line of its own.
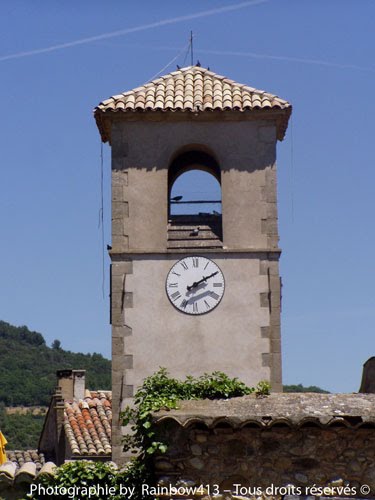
<point x="160" y="391"/>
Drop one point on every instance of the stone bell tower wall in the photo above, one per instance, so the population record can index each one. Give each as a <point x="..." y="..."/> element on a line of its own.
<point x="141" y="154"/>
<point x="242" y="336"/>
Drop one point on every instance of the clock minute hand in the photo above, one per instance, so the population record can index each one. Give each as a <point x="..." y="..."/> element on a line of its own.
<point x="211" y="275"/>
<point x="205" y="278"/>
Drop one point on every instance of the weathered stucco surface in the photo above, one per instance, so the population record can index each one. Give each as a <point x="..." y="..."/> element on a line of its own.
<point x="141" y="154"/>
<point x="186" y="344"/>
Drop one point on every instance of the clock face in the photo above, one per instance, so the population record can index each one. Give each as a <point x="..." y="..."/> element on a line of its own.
<point x="195" y="285"/>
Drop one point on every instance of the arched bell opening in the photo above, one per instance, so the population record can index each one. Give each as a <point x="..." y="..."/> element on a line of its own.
<point x="194" y="201"/>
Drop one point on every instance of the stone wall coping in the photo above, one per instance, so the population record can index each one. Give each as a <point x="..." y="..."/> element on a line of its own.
<point x="281" y="409"/>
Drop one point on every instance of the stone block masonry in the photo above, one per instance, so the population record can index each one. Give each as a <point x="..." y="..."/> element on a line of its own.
<point x="122" y="361"/>
<point x="259" y="458"/>
<point x="247" y="445"/>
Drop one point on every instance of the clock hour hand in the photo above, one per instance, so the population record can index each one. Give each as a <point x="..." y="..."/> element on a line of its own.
<point x="205" y="278"/>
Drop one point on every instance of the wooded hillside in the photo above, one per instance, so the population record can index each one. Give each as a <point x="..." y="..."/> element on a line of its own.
<point x="28" y="367"/>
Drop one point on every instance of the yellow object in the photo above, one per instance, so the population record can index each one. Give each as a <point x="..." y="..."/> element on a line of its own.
<point x="3" y="442"/>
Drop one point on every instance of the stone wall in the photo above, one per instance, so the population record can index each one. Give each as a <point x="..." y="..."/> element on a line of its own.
<point x="259" y="458"/>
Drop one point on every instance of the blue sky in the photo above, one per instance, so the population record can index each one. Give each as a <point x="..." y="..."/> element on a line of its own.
<point x="60" y="59"/>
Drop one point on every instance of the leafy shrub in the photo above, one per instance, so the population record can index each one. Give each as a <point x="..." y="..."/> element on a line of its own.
<point x="79" y="480"/>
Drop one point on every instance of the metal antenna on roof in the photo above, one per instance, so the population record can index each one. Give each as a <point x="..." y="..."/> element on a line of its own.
<point x="191" y="48"/>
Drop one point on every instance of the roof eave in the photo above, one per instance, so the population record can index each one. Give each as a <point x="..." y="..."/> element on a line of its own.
<point x="104" y="119"/>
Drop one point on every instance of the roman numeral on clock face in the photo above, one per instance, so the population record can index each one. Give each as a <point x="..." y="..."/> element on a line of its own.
<point x="195" y="262"/>
<point x="175" y="296"/>
<point x="172" y="285"/>
<point x="184" y="265"/>
<point x="195" y="307"/>
<point x="214" y="295"/>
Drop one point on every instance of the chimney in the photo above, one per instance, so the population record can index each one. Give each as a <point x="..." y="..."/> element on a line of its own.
<point x="79" y="384"/>
<point x="72" y="383"/>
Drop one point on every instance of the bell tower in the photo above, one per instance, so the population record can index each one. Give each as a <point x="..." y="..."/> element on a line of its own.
<point x="197" y="292"/>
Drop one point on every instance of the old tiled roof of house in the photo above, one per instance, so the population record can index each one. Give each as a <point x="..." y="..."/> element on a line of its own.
<point x="87" y="424"/>
<point x="192" y="89"/>
<point x="293" y="410"/>
<point x="21" y="457"/>
<point x="24" y="466"/>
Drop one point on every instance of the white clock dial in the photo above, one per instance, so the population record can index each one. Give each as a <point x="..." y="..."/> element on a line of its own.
<point x="195" y="285"/>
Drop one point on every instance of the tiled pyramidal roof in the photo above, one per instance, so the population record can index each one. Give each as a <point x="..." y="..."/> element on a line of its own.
<point x="192" y="89"/>
<point x="87" y="424"/>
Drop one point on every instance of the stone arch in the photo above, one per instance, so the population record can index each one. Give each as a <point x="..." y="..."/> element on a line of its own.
<point x="193" y="157"/>
<point x="195" y="220"/>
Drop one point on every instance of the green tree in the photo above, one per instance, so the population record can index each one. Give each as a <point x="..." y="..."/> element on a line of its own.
<point x="301" y="388"/>
<point x="56" y="344"/>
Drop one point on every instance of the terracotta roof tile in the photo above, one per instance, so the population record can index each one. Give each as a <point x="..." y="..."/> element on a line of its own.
<point x="24" y="466"/>
<point x="191" y="89"/>
<point x="21" y="457"/>
<point x="87" y="424"/>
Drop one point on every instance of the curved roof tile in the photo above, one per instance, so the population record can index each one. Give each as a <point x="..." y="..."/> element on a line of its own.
<point x="24" y="466"/>
<point x="294" y="410"/>
<point x="21" y="457"/>
<point x="87" y="424"/>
